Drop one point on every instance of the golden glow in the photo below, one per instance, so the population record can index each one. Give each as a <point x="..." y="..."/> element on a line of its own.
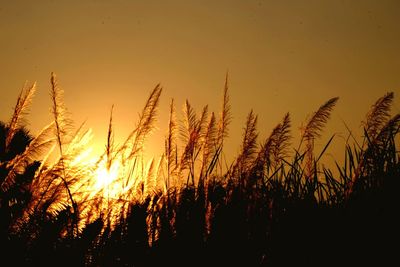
<point x="105" y="177"/>
<point x="281" y="58"/>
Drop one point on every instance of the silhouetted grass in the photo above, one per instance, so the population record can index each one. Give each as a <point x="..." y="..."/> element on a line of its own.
<point x="269" y="207"/>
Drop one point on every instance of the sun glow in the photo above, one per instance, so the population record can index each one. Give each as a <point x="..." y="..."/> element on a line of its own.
<point x="107" y="176"/>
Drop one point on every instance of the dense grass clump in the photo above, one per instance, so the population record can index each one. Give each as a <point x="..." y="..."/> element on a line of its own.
<point x="269" y="207"/>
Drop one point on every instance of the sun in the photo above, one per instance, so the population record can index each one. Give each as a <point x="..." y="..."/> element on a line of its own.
<point x="107" y="177"/>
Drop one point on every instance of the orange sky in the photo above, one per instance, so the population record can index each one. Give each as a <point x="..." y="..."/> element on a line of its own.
<point x="281" y="55"/>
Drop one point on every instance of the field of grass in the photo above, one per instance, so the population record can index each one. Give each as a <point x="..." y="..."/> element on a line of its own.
<point x="274" y="205"/>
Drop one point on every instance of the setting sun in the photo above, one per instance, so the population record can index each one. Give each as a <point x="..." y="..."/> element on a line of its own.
<point x="106" y="177"/>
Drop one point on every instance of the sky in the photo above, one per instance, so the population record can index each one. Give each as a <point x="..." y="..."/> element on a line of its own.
<point x="281" y="56"/>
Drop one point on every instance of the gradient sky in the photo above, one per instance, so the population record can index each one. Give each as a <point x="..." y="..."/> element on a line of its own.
<point x="282" y="56"/>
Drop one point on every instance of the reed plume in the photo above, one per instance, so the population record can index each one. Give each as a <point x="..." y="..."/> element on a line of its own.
<point x="281" y="141"/>
<point x="248" y="147"/>
<point x="134" y="143"/>
<point x="150" y="180"/>
<point x="145" y="125"/>
<point x="188" y="136"/>
<point x="192" y="134"/>
<point x="189" y="122"/>
<point x="378" y="126"/>
<point x="110" y="141"/>
<point x="74" y="173"/>
<point x="223" y="123"/>
<point x="62" y="124"/>
<point x="20" y="110"/>
<point x="390" y="129"/>
<point x="274" y="149"/>
<point x="171" y="153"/>
<point x="202" y="123"/>
<point x="378" y="115"/>
<point x="225" y="117"/>
<point x="33" y="152"/>
<point x="209" y="148"/>
<point x="313" y="129"/>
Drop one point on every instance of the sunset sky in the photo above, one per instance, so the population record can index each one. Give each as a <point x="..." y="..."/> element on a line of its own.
<point x="282" y="56"/>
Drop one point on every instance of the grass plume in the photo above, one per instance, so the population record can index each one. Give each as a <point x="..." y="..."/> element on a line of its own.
<point x="21" y="109"/>
<point x="378" y="115"/>
<point x="171" y="146"/>
<point x="313" y="129"/>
